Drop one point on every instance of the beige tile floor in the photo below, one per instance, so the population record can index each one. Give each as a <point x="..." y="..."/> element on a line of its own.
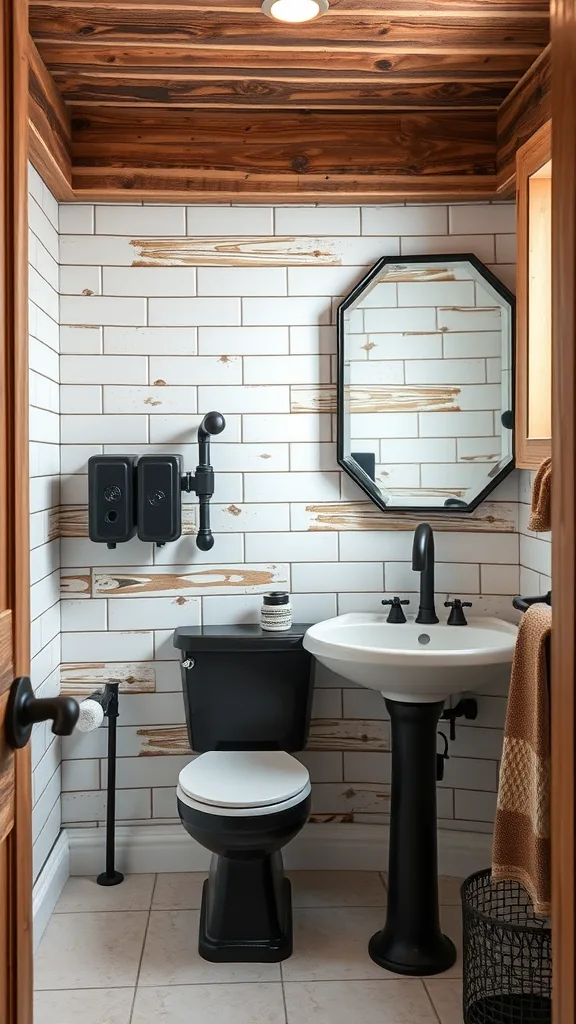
<point x="128" y="955"/>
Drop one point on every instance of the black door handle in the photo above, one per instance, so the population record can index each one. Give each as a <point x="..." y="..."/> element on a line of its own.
<point x="24" y="710"/>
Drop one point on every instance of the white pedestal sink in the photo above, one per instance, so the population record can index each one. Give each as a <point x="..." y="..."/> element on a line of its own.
<point x="415" y="667"/>
<point x="408" y="661"/>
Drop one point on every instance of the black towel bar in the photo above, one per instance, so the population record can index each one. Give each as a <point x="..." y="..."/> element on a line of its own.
<point x="523" y="603"/>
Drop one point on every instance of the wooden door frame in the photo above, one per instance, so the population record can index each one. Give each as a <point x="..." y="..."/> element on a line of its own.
<point x="15" y="544"/>
<point x="530" y="450"/>
<point x="564" y="507"/>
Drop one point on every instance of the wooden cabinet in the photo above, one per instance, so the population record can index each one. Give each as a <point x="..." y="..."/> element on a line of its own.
<point x="534" y="300"/>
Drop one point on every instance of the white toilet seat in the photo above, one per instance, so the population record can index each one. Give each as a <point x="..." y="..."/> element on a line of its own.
<point x="243" y="783"/>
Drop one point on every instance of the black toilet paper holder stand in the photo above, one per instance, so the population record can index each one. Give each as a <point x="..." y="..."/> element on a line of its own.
<point x="108" y="698"/>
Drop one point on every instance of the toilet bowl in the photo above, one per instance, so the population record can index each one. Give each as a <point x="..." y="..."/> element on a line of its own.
<point x="245" y="806"/>
<point x="247" y="699"/>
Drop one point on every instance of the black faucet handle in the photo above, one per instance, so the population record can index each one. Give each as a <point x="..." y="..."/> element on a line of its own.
<point x="457" y="616"/>
<point x="396" y="614"/>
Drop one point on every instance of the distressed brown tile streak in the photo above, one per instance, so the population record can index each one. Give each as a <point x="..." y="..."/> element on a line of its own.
<point x="493" y="516"/>
<point x="273" y="251"/>
<point x="82" y="679"/>
<point x="378" y="398"/>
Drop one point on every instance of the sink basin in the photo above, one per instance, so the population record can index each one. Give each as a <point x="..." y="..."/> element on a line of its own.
<point x="413" y="662"/>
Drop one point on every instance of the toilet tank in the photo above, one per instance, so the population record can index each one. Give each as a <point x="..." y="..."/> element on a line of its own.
<point x="246" y="689"/>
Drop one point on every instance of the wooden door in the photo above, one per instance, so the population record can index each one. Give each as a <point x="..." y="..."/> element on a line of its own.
<point x="564" y="508"/>
<point x="15" y="774"/>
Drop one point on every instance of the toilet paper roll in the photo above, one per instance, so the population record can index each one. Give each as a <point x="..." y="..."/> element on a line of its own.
<point x="91" y="716"/>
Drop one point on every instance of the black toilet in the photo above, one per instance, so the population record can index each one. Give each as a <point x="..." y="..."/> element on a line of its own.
<point x="248" y="696"/>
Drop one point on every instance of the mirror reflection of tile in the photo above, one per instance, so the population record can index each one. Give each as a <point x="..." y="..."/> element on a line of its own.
<point x="427" y="355"/>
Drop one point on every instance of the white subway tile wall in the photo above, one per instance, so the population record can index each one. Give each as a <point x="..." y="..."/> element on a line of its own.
<point x="45" y="499"/>
<point x="169" y="312"/>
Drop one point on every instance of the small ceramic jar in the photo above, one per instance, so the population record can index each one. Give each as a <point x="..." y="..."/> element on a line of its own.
<point x="276" y="611"/>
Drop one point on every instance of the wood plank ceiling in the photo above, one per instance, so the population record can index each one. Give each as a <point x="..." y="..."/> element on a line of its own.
<point x="175" y="97"/>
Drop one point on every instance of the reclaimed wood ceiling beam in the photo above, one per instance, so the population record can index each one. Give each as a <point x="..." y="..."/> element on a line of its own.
<point x="338" y="8"/>
<point x="442" y="30"/>
<point x="469" y="66"/>
<point x="48" y="128"/>
<point x="525" y="110"/>
<point x="225" y="156"/>
<point x="226" y="89"/>
<point x="366" y="8"/>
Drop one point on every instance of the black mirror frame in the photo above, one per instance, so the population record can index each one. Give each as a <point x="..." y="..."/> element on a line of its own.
<point x="348" y="464"/>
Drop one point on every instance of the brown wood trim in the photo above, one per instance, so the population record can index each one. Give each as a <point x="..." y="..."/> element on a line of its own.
<point x="6" y="655"/>
<point x="49" y="128"/>
<point x="530" y="451"/>
<point x="563" y="509"/>
<point x="6" y="781"/>
<point x="524" y="111"/>
<point x="4" y="945"/>
<point x="6" y="755"/>
<point x="15" y="274"/>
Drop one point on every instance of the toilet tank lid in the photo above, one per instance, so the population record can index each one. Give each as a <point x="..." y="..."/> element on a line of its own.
<point x="245" y="637"/>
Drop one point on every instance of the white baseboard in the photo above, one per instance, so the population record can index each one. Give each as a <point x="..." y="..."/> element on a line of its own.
<point x="161" y="848"/>
<point x="49" y="885"/>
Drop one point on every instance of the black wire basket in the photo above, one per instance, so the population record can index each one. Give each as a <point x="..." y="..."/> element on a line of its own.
<point x="507" y="955"/>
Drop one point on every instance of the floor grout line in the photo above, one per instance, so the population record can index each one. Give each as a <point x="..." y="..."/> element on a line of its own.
<point x="294" y="981"/>
<point x="283" y="995"/>
<point x="431" y="1001"/>
<point x="153" y="892"/>
<point x="88" y="988"/>
<point x="126" y="910"/>
<point x="142" y="952"/>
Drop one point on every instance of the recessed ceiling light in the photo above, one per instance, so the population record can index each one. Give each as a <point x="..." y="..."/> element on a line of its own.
<point x="295" y="11"/>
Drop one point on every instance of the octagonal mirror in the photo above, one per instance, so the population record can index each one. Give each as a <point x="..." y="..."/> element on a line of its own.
<point x="425" y="383"/>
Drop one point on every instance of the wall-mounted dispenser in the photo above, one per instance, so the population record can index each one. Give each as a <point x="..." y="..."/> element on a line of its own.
<point x="128" y="495"/>
<point x="158" y="498"/>
<point x="111" y="499"/>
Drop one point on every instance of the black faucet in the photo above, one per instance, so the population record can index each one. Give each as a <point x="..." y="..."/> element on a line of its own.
<point x="423" y="562"/>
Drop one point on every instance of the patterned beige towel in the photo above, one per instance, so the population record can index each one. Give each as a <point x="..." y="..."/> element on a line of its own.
<point x="522" y="831"/>
<point x="541" y="513"/>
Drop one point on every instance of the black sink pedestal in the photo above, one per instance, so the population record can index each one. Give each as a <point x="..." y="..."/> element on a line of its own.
<point x="411" y="941"/>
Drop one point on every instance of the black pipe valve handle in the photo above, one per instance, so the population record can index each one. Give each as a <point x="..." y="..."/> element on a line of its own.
<point x="457" y="616"/>
<point x="202" y="482"/>
<point x="396" y="614"/>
